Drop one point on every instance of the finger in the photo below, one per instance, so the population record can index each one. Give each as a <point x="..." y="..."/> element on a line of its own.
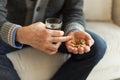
<point x="89" y="39"/>
<point x="86" y="49"/>
<point x="90" y="42"/>
<point x="58" y="44"/>
<point x="56" y="33"/>
<point x="80" y="50"/>
<point x="50" y="52"/>
<point x="88" y="36"/>
<point x="69" y="49"/>
<point x="46" y="48"/>
<point x="54" y="47"/>
<point x="72" y="49"/>
<point x="61" y="39"/>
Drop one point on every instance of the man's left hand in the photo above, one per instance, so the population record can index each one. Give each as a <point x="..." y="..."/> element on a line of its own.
<point x="80" y="43"/>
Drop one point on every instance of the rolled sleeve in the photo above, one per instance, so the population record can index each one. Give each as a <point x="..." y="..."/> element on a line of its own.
<point x="8" y="34"/>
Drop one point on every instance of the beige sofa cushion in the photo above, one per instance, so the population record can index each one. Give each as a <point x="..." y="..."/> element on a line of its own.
<point x="116" y="12"/>
<point x="32" y="64"/>
<point x="99" y="10"/>
<point x="109" y="66"/>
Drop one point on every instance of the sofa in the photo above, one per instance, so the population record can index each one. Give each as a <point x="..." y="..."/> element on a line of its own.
<point x="102" y="18"/>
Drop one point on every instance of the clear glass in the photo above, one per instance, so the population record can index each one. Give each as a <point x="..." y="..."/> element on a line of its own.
<point x="53" y="23"/>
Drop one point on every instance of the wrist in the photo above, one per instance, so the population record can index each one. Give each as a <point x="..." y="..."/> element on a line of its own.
<point x="19" y="35"/>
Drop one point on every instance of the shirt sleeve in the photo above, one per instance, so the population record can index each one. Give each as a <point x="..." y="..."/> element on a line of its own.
<point x="73" y="16"/>
<point x="8" y="34"/>
<point x="72" y="27"/>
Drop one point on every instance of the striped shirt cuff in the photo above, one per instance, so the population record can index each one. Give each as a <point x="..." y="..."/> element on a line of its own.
<point x="8" y="34"/>
<point x="72" y="27"/>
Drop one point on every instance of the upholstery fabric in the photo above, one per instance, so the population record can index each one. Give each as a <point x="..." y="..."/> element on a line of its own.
<point x="116" y="12"/>
<point x="109" y="66"/>
<point x="32" y="64"/>
<point x="99" y="10"/>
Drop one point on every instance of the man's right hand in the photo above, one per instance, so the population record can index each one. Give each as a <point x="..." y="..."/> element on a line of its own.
<point x="37" y="36"/>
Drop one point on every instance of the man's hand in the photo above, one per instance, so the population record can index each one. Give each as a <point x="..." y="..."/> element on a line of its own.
<point x="80" y="42"/>
<point x="37" y="36"/>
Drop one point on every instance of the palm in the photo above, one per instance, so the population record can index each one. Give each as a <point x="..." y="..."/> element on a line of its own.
<point x="80" y="42"/>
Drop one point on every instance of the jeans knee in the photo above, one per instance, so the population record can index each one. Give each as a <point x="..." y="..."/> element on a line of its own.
<point x="7" y="71"/>
<point x="101" y="49"/>
<point x="98" y="51"/>
<point x="94" y="56"/>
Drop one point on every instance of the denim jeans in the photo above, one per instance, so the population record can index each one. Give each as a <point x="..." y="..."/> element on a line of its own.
<point x="7" y="71"/>
<point x="77" y="67"/>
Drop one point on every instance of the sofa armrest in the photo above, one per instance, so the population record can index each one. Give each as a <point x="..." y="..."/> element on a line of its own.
<point x="116" y="12"/>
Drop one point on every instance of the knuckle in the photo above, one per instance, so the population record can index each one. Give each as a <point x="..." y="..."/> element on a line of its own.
<point x="40" y="23"/>
<point x="57" y="38"/>
<point x="45" y="31"/>
<point x="57" y="33"/>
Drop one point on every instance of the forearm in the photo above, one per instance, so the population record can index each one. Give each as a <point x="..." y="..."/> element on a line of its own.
<point x="73" y="16"/>
<point x="7" y="29"/>
<point x="72" y="27"/>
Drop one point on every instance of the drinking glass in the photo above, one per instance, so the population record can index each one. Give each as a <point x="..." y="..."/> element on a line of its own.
<point x="53" y="23"/>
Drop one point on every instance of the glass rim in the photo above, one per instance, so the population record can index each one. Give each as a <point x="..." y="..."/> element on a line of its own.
<point x="58" y="19"/>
